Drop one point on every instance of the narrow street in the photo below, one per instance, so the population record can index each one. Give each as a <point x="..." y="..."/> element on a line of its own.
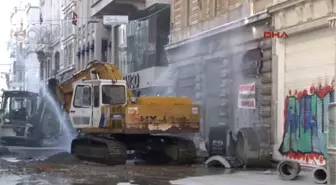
<point x="33" y="166"/>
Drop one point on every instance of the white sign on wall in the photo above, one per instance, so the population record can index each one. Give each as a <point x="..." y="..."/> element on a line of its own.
<point x="246" y="96"/>
<point x="115" y="19"/>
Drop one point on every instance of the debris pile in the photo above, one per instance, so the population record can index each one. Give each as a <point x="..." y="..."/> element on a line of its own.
<point x="4" y="151"/>
<point x="62" y="158"/>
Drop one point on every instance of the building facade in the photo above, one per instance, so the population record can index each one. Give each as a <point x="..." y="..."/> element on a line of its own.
<point x="48" y="40"/>
<point x="218" y="54"/>
<point x="32" y="79"/>
<point x="17" y="68"/>
<point x="68" y="20"/>
<point x="137" y="47"/>
<point x="305" y="71"/>
<point x="140" y="51"/>
<point x="58" y="39"/>
<point x="93" y="38"/>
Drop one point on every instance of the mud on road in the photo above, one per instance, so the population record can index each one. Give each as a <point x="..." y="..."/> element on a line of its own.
<point x="65" y="169"/>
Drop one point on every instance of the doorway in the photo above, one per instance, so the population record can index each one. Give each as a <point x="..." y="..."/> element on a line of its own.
<point x="212" y="92"/>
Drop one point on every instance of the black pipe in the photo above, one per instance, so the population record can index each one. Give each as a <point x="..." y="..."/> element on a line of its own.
<point x="288" y="170"/>
<point x="320" y="175"/>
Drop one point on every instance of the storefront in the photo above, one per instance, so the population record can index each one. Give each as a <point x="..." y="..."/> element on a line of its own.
<point x="306" y="69"/>
<point x="228" y="72"/>
<point x="152" y="81"/>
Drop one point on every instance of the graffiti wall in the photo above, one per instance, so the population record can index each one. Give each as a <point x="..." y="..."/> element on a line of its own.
<point x="305" y="137"/>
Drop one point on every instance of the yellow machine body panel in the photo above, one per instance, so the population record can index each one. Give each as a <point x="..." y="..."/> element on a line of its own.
<point x="162" y="114"/>
<point x="174" y="119"/>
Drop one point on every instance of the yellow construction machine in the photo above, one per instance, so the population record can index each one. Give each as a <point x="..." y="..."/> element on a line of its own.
<point x="111" y="121"/>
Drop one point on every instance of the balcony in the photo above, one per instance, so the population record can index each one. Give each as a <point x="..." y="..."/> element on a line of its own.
<point x="68" y="30"/>
<point x="55" y="36"/>
<point x="150" y="3"/>
<point x="116" y="7"/>
<point x="67" y="6"/>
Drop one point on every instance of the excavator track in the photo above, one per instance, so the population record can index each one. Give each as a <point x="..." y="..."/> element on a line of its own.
<point x="173" y="151"/>
<point x="102" y="150"/>
<point x="186" y="151"/>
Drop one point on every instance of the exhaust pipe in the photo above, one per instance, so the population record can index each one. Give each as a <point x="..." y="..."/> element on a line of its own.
<point x="288" y="170"/>
<point x="320" y="175"/>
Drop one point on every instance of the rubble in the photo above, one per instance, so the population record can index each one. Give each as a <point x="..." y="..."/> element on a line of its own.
<point x="63" y="158"/>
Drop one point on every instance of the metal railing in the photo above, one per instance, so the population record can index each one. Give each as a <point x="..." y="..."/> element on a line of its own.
<point x="331" y="135"/>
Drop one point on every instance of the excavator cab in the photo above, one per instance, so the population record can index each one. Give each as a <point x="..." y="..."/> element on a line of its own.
<point x="90" y="99"/>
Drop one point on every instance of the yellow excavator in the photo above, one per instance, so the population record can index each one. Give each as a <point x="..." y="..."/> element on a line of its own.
<point x="110" y="120"/>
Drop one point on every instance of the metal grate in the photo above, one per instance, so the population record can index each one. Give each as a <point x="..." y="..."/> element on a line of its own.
<point x="332" y="167"/>
<point x="331" y="143"/>
<point x="80" y="120"/>
<point x="332" y="21"/>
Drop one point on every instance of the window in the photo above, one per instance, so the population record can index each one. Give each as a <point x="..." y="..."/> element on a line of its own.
<point x="104" y="47"/>
<point x="20" y="76"/>
<point x="57" y="64"/>
<point x="332" y="122"/>
<point x="70" y="54"/>
<point x="69" y="24"/>
<point x="92" y="49"/>
<point x="66" y="56"/>
<point x="64" y="29"/>
<point x="82" y="96"/>
<point x="6" y="107"/>
<point x="114" y="94"/>
<point x="18" y="107"/>
<point x="96" y="96"/>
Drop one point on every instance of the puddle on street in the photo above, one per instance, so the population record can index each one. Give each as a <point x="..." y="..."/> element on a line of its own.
<point x="11" y="179"/>
<point x="92" y="174"/>
<point x="240" y="177"/>
<point x="11" y="159"/>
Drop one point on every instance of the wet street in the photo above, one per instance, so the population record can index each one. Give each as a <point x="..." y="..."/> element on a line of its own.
<point x="23" y="168"/>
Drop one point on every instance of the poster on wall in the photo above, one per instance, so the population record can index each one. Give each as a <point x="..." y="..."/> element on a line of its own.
<point x="247" y="96"/>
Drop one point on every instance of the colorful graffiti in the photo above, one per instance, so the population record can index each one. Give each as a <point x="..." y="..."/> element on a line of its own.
<point x="305" y="137"/>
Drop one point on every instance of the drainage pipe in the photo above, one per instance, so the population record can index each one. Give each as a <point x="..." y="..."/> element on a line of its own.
<point x="320" y="175"/>
<point x="288" y="170"/>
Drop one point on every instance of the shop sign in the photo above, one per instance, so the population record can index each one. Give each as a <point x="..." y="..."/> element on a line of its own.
<point x="247" y="96"/>
<point x="132" y="80"/>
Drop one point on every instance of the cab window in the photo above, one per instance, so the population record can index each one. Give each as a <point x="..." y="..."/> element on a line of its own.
<point x="82" y="96"/>
<point x="113" y="94"/>
<point x="96" y="96"/>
